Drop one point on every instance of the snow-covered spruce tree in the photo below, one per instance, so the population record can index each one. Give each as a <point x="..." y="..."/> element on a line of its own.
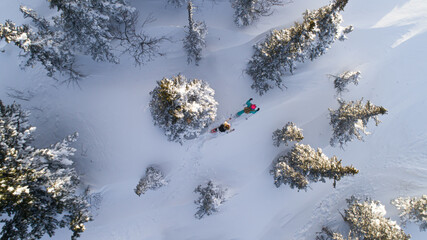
<point x="327" y="28"/>
<point x="38" y="186"/>
<point x="351" y="119"/>
<point x="303" y="164"/>
<point x="93" y="26"/>
<point x="194" y="41"/>
<point x="290" y="132"/>
<point x="98" y="28"/>
<point x="182" y="108"/>
<point x="412" y="210"/>
<point x="248" y="11"/>
<point x="153" y="180"/>
<point x="282" y="49"/>
<point x="367" y="221"/>
<point x="211" y="197"/>
<point x="341" y="81"/>
<point x="45" y="46"/>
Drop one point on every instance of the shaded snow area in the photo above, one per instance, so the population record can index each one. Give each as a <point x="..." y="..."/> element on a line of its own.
<point x="118" y="141"/>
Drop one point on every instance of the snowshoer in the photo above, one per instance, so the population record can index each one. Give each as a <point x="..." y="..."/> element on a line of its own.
<point x="225" y="127"/>
<point x="250" y="108"/>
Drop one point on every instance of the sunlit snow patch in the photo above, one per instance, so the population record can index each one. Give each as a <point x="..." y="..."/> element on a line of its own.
<point x="412" y="13"/>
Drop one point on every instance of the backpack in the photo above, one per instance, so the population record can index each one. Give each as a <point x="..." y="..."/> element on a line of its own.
<point x="247" y="110"/>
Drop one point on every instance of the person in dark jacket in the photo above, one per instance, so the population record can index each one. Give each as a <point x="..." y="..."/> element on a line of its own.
<point x="225" y="127"/>
<point x="250" y="108"/>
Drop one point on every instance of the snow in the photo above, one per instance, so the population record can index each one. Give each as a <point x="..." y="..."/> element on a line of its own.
<point x="118" y="140"/>
<point x="413" y="13"/>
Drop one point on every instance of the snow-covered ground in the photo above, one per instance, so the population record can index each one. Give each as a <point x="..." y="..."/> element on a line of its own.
<point x="118" y="139"/>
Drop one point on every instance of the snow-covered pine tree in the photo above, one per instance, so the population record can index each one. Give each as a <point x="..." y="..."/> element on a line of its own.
<point x="194" y="40"/>
<point x="341" y="81"/>
<point x="275" y="56"/>
<point x="351" y="119"/>
<point x="19" y="35"/>
<point x="290" y="132"/>
<point x="248" y="11"/>
<point x="110" y="21"/>
<point x="93" y="26"/>
<point x="412" y="209"/>
<point x="97" y="28"/>
<point x="367" y="221"/>
<point x="327" y="28"/>
<point x="282" y="49"/>
<point x="303" y="164"/>
<point x="153" y="180"/>
<point x="38" y="186"/>
<point x="46" y="46"/>
<point x="182" y="108"/>
<point x="211" y="197"/>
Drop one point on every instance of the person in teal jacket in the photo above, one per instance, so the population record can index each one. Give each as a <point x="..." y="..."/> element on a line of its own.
<point x="250" y="108"/>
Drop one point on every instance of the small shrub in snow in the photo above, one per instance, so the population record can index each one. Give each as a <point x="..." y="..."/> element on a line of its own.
<point x="290" y="132"/>
<point x="182" y="108"/>
<point x="302" y="164"/>
<point x="38" y="186"/>
<point x="413" y="210"/>
<point x="248" y="11"/>
<point x="211" y="197"/>
<point x="153" y="180"/>
<point x="351" y="119"/>
<point x="194" y="41"/>
<point x="341" y="81"/>
<point x="282" y="49"/>
<point x="367" y="221"/>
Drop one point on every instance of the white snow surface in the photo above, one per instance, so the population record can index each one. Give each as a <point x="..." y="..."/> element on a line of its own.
<point x="118" y="139"/>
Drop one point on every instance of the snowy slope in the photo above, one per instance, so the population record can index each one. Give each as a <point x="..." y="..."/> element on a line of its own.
<point x="118" y="140"/>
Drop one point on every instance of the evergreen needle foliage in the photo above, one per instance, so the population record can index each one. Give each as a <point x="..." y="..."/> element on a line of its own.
<point x="194" y="41"/>
<point x="211" y="197"/>
<point x="42" y="46"/>
<point x="98" y="28"/>
<point x="248" y="11"/>
<point x="351" y="119"/>
<point x="153" y="180"/>
<point x="282" y="49"/>
<point x="290" y="132"/>
<point x="413" y="209"/>
<point x="341" y="81"/>
<point x="302" y="164"/>
<point x="182" y="108"/>
<point x="367" y="221"/>
<point x="38" y="186"/>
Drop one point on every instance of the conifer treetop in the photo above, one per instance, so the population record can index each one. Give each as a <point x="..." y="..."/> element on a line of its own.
<point x="303" y="164"/>
<point x="38" y="186"/>
<point x="290" y="132"/>
<point x="367" y="221"/>
<point x="351" y="118"/>
<point x="282" y="49"/>
<point x="412" y="209"/>
<point x="182" y="108"/>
